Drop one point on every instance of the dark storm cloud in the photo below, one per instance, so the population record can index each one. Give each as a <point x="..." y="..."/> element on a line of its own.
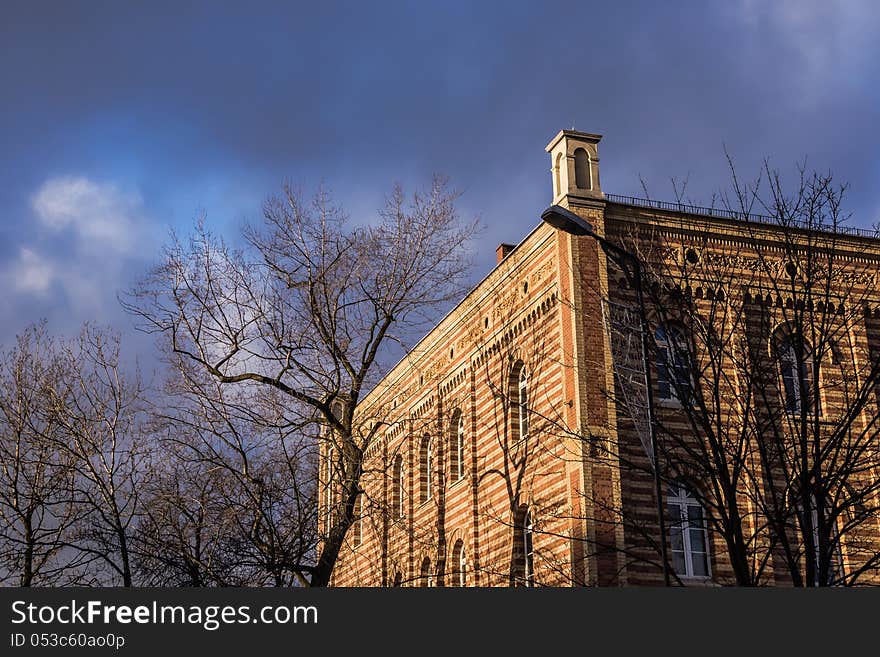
<point x="167" y="110"/>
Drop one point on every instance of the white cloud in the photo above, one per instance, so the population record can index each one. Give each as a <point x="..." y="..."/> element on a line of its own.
<point x="31" y="273"/>
<point x="84" y="242"/>
<point x="100" y="214"/>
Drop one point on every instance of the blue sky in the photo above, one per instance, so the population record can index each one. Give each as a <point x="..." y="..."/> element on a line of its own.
<point x="120" y="121"/>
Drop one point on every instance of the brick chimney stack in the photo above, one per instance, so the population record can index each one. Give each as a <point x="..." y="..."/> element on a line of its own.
<point x="502" y="252"/>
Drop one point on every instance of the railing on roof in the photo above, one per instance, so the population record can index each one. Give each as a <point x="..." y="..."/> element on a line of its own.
<point x="733" y="214"/>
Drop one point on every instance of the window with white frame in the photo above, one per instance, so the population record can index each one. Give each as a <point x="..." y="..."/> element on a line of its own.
<point x="525" y="537"/>
<point x="398" y="488"/>
<point x="426" y="476"/>
<point x="519" y="401"/>
<point x="462" y="568"/>
<point x="673" y="375"/>
<point x="796" y="372"/>
<point x="456" y="451"/>
<point x="459" y="563"/>
<point x="688" y="536"/>
<point x="832" y="540"/>
<point x="529" y="547"/>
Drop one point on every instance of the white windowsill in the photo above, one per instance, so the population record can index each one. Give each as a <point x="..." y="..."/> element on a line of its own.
<point x="457" y="481"/>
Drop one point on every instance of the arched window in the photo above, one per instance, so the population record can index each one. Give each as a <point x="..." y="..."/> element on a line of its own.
<point x="792" y="374"/>
<point x="426" y="474"/>
<point x="519" y="402"/>
<point x="673" y="364"/>
<point x="459" y="564"/>
<point x="688" y="538"/>
<point x="398" y="488"/>
<point x="796" y="371"/>
<point x="810" y="526"/>
<point x="528" y="548"/>
<point x="558" y="172"/>
<point x="456" y="445"/>
<point x="427" y="575"/>
<point x="398" y="579"/>
<point x="582" y="173"/>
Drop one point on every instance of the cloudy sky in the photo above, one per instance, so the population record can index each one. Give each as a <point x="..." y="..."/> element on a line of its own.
<point x="118" y="123"/>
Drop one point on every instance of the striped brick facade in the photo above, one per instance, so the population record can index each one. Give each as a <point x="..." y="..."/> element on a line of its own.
<point x="540" y="309"/>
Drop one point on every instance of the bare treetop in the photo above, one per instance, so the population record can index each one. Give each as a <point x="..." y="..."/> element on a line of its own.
<point x="308" y="310"/>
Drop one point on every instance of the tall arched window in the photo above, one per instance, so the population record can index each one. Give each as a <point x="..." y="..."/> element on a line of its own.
<point x="528" y="546"/>
<point x="796" y="371"/>
<point x="427" y="575"/>
<point x="582" y="173"/>
<point x="456" y="445"/>
<point x="398" y="488"/>
<point x="689" y="545"/>
<point x="426" y="474"/>
<point x="810" y="526"/>
<point x="673" y="364"/>
<point x="459" y="564"/>
<point x="519" y="401"/>
<point x="398" y="579"/>
<point x="558" y="172"/>
<point x="523" y="388"/>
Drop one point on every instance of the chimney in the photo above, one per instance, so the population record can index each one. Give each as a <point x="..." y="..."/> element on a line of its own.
<point x="503" y="251"/>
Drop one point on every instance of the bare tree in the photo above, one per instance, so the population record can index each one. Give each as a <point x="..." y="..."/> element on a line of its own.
<point x="528" y="452"/>
<point x="817" y="417"/>
<point x="309" y="311"/>
<point x="183" y="535"/>
<point x="767" y="365"/>
<point x="249" y="516"/>
<point x="99" y="411"/>
<point x="36" y="485"/>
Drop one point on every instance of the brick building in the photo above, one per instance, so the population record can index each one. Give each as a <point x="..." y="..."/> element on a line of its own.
<point x="510" y="454"/>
